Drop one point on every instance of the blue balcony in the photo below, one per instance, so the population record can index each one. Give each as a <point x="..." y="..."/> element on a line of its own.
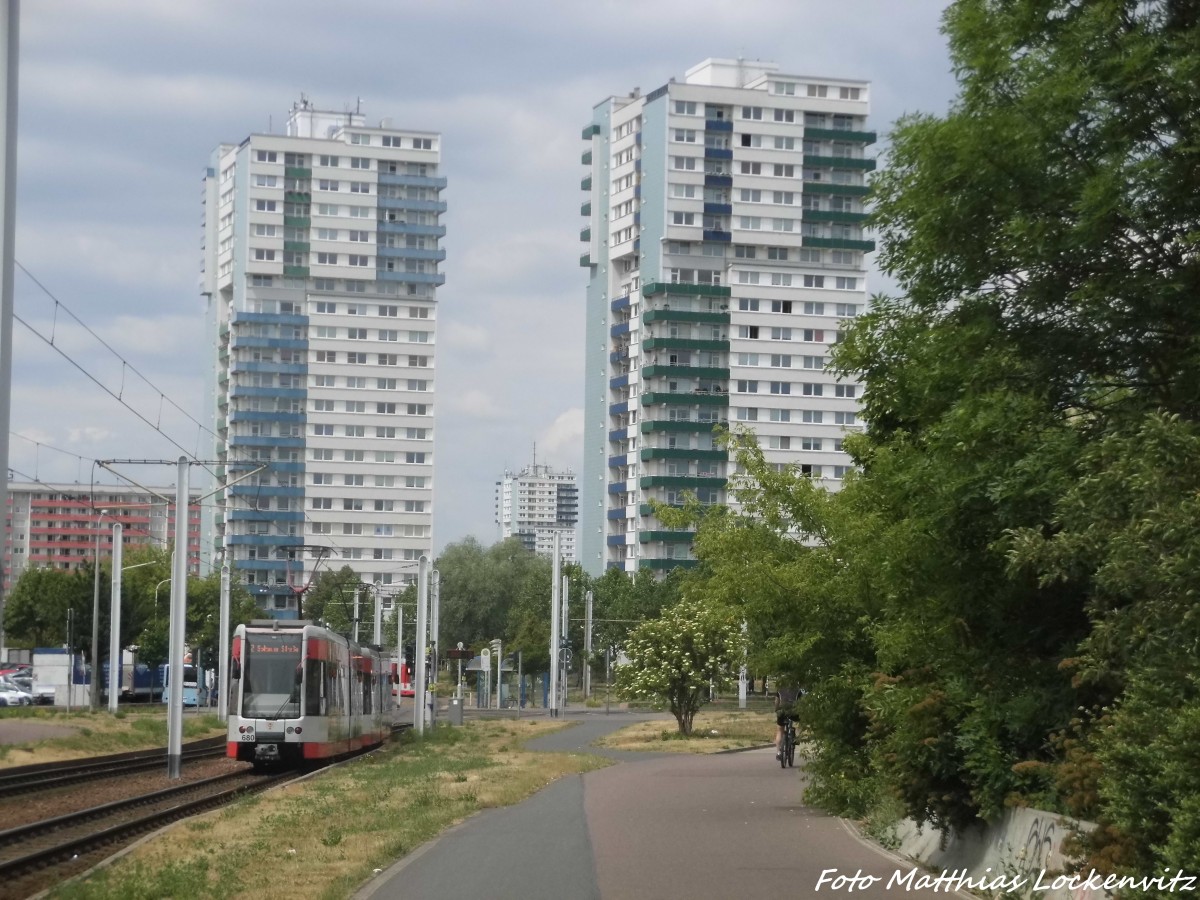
<point x="718" y="125"/>
<point x="717" y="153"/>
<point x="619" y="329"/>
<point x="618" y="409"/>
<point x="437" y="255"/>
<point x="622" y="302"/>
<point x="255" y="415"/>
<point x="428" y="181"/>
<point x="435" y="278"/>
<point x="617" y="488"/>
<point x="718" y="209"/>
<point x="719" y="236"/>
<point x="617" y="515"/>
<point x="404" y="203"/>
<point x="616" y="540"/>
<point x="618" y="434"/>
<point x="388" y="226"/>
<point x="616" y="462"/>
<point x="242" y="390"/>
<point x="617" y="355"/>
<point x="618" y="381"/>
<point x="718" y="181"/>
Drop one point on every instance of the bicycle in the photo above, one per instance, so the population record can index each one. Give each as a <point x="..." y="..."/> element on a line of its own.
<point x="787" y="745"/>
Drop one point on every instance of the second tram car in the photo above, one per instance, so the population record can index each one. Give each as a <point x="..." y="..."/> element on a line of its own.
<point x="298" y="692"/>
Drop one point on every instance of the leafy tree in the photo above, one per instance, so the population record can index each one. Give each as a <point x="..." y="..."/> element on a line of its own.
<point x="35" y="613"/>
<point x="678" y="657"/>
<point x="330" y="599"/>
<point x="480" y="587"/>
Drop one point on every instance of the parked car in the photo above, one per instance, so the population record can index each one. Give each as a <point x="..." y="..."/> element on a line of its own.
<point x="11" y="695"/>
<point x="41" y="694"/>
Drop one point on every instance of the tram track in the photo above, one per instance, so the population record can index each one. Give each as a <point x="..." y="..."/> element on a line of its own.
<point x="43" y="853"/>
<point x="40" y="854"/>
<point x="49" y="776"/>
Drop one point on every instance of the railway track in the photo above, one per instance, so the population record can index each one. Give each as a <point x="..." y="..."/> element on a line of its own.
<point x="48" y="776"/>
<point x="41" y="854"/>
<point x="38" y="855"/>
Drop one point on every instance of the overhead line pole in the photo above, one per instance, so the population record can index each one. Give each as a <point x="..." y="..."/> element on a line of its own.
<point x="10" y="15"/>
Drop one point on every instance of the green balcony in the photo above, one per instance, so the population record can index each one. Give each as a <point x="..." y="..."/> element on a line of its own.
<point x="590" y="131"/>
<point x="297" y="197"/>
<point x="585" y="208"/>
<point x="659" y="398"/>
<point x="585" y="234"/>
<point x="684" y="344"/>
<point x="685" y="315"/>
<point x="690" y="290"/>
<point x="683" y="481"/>
<point x="585" y="259"/>
<point x="831" y="215"/>
<point x="648" y="453"/>
<point x="838" y="244"/>
<point x="660" y="371"/>
<point x="296" y="246"/>
<point x="295" y="271"/>
<point x="648" y="426"/>
<point x="667" y="537"/>
<point x="839" y="162"/>
<point x="586" y="158"/>
<point x="666" y="564"/>
<point x="842" y="190"/>
<point x="647" y="509"/>
<point x="585" y="183"/>
<point x="838" y="134"/>
<point x="297" y="222"/>
<point x="300" y="174"/>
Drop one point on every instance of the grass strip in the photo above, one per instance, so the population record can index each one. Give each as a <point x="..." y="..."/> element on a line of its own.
<point x="98" y="733"/>
<point x="713" y="731"/>
<point x="326" y="836"/>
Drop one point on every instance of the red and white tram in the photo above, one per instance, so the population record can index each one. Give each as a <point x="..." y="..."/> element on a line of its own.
<point x="298" y="692"/>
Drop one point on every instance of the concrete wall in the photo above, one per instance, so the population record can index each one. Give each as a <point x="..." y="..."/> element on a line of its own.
<point x="1025" y="844"/>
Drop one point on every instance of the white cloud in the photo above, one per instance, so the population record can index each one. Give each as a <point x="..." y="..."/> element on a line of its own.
<point x="561" y="443"/>
<point x="477" y="404"/>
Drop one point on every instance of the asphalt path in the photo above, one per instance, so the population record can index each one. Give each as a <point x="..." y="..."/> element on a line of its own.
<point x="656" y="826"/>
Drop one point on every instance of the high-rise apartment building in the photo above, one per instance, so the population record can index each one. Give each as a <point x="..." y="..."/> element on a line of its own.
<point x="537" y="503"/>
<point x="321" y="252"/>
<point x="64" y="526"/>
<point x="725" y="248"/>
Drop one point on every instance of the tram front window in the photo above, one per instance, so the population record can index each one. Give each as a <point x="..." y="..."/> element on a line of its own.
<point x="270" y="686"/>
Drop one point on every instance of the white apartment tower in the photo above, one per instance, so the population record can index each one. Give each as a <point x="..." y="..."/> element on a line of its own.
<point x="537" y="503"/>
<point x="321" y="253"/>
<point x="725" y="247"/>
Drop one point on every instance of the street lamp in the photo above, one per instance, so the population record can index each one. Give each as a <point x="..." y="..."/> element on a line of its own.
<point x="94" y="683"/>
<point x="156" y="587"/>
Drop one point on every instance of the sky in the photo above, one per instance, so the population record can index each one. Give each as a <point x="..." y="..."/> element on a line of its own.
<point x="123" y="101"/>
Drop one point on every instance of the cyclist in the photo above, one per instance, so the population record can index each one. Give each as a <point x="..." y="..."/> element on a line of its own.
<point x="786" y="693"/>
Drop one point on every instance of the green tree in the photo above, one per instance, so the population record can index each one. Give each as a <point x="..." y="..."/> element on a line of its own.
<point x="35" y="613"/>
<point x="677" y="658"/>
<point x="1043" y="236"/>
<point x="330" y="599"/>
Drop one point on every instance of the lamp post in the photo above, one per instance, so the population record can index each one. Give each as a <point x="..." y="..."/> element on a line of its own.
<point x="94" y="683"/>
<point x="156" y="587"/>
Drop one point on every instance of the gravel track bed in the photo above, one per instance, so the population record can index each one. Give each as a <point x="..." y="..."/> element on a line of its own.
<point x="29" y="808"/>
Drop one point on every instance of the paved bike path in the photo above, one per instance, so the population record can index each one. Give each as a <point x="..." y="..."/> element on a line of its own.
<point x="656" y="826"/>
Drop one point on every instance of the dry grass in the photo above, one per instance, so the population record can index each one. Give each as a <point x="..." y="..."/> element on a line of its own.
<point x="327" y="835"/>
<point x="91" y="733"/>
<point x="712" y="732"/>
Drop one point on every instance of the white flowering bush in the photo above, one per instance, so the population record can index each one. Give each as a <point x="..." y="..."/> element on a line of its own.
<point x="676" y="658"/>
